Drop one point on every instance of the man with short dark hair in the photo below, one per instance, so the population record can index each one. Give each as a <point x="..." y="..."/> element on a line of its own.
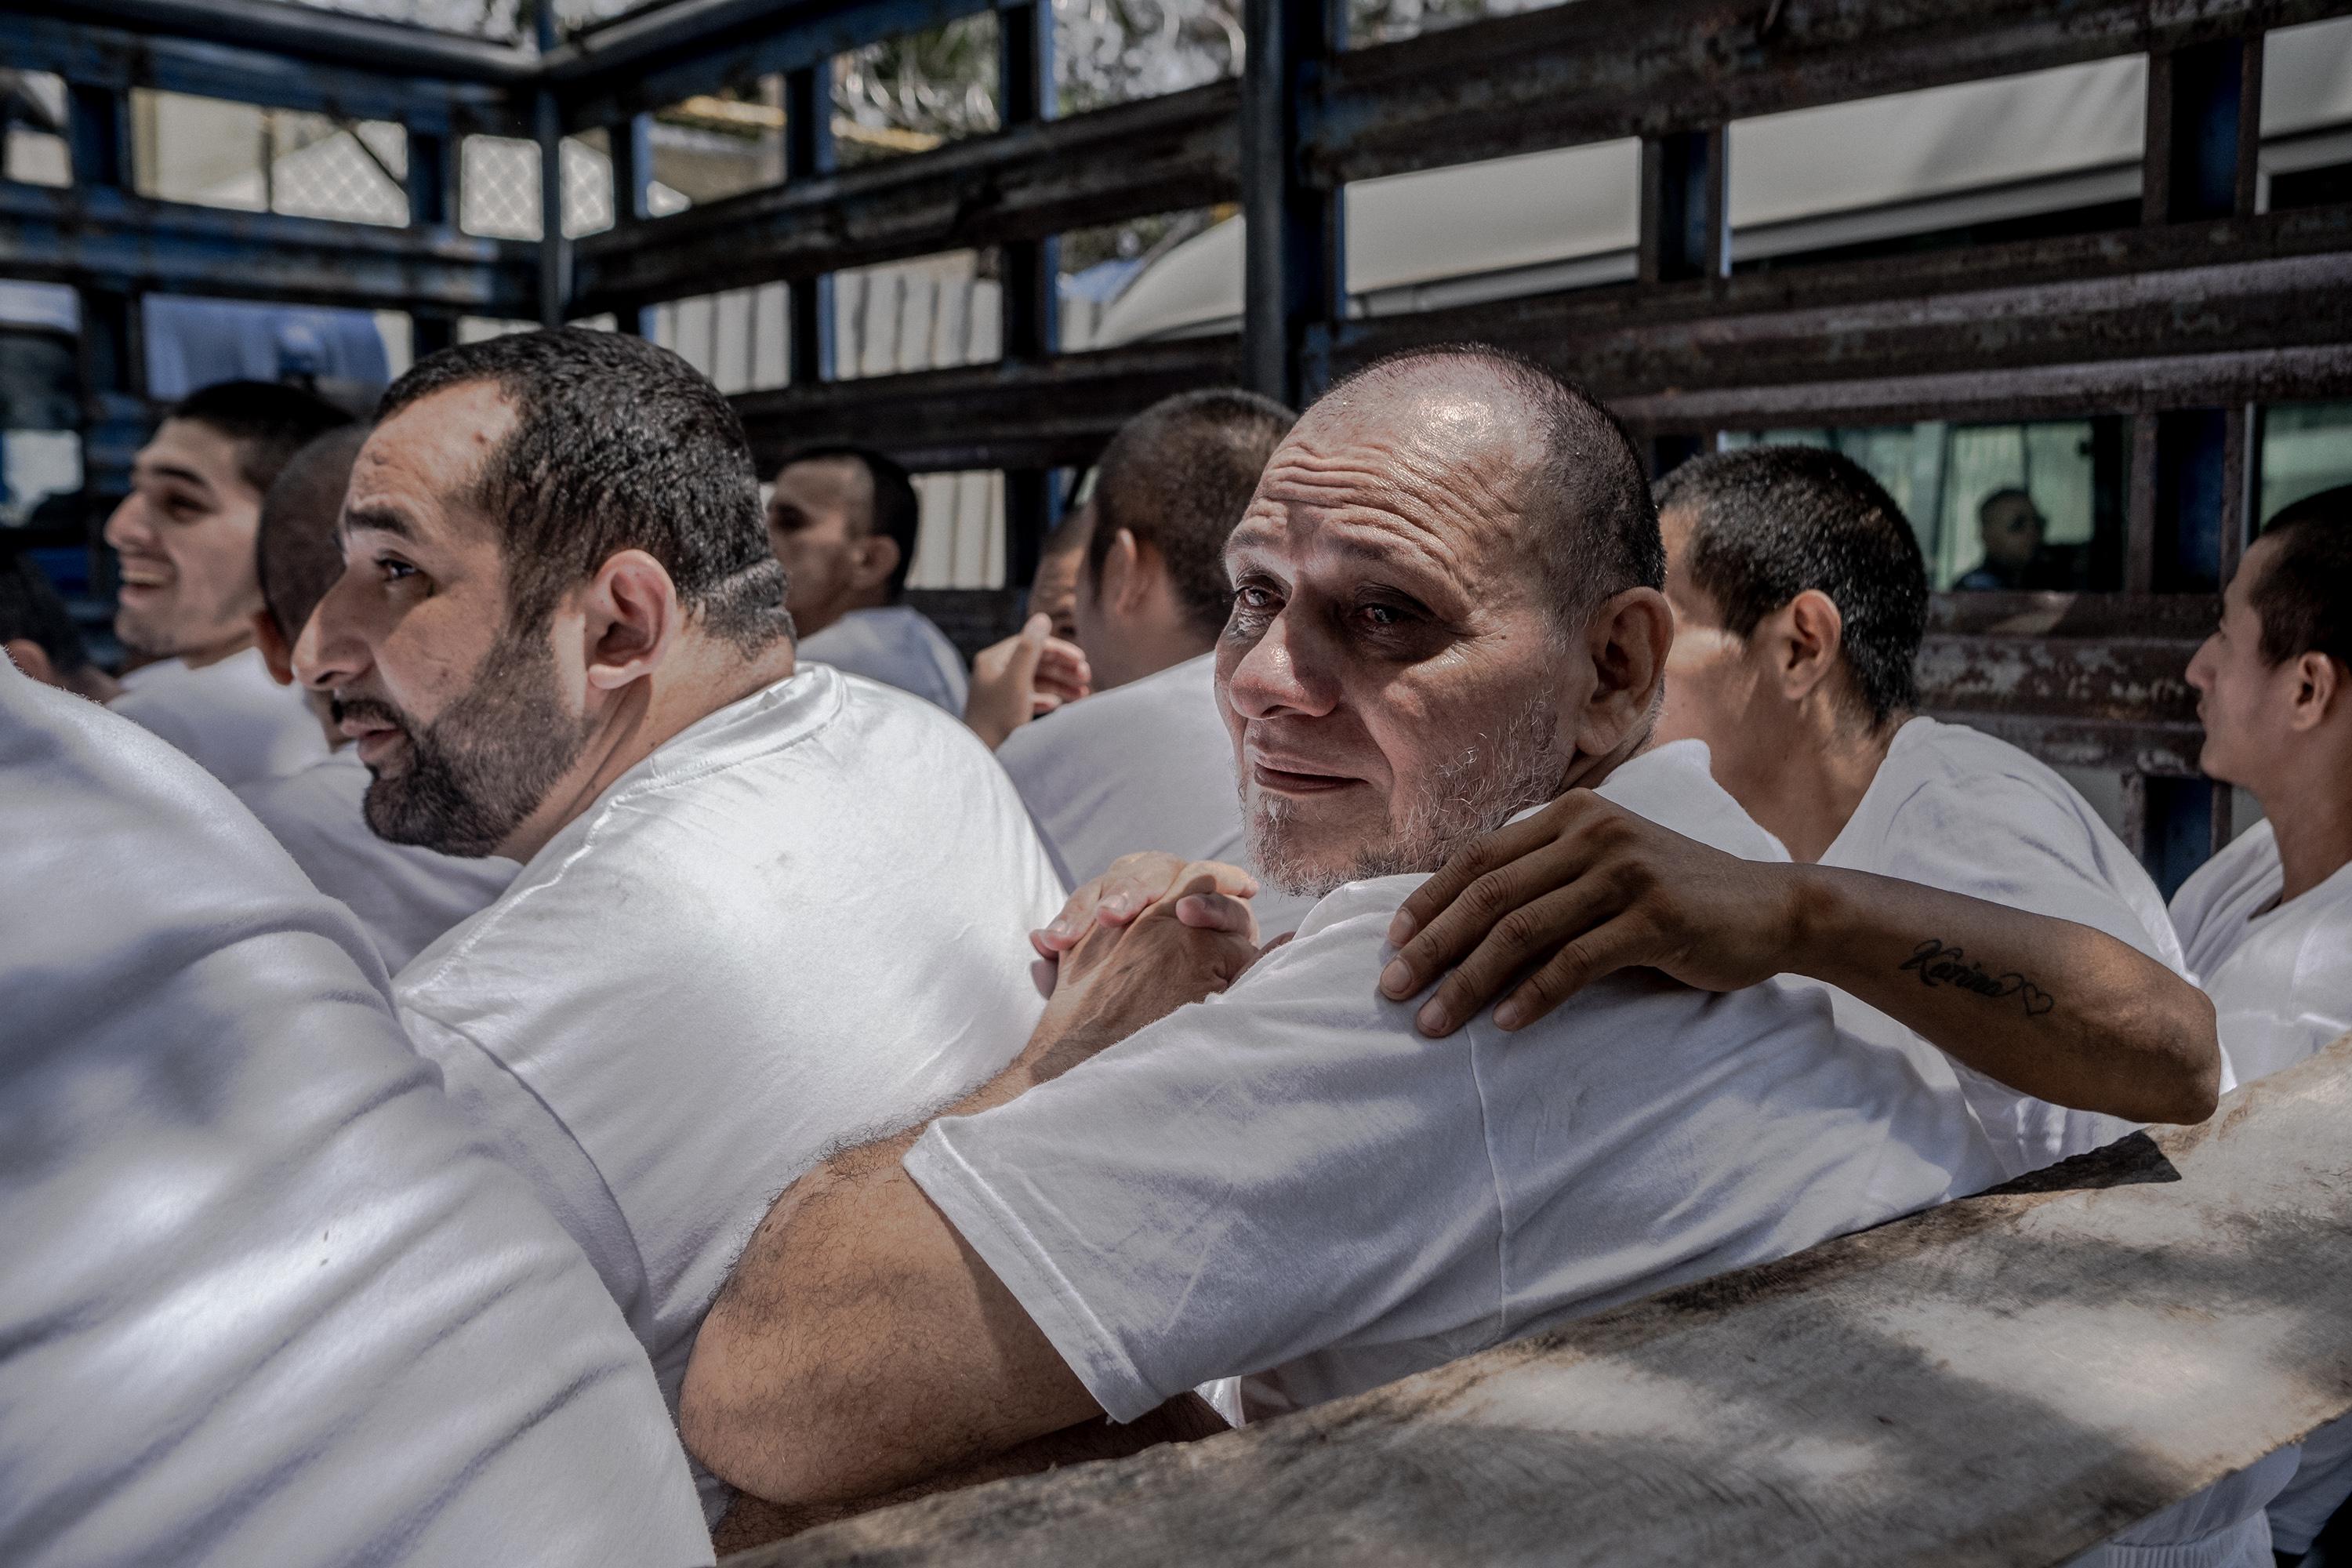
<point x="560" y="637"/>
<point x="404" y="894"/>
<point x="39" y="632"/>
<point x="2267" y="923"/>
<point x="1146" y="763"/>
<point x="184" y="537"/>
<point x="1446" y="610"/>
<point x="2012" y="530"/>
<point x="843" y="519"/>
<point x="1799" y="602"/>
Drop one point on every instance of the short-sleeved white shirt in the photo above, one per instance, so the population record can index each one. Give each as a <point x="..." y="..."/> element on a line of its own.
<point x="231" y="716"/>
<point x="1148" y="765"/>
<point x="803" y="919"/>
<point x="1955" y="808"/>
<point x="2280" y="975"/>
<point x="1288" y="1182"/>
<point x="268" y="1300"/>
<point x="2281" y="979"/>
<point x="404" y="895"/>
<point x="898" y="645"/>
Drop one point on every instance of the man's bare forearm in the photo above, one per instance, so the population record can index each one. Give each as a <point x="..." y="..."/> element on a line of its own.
<point x="2054" y="1009"/>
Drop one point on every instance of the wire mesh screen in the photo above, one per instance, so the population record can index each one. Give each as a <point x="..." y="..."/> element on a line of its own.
<point x="353" y="172"/>
<point x="500" y="193"/>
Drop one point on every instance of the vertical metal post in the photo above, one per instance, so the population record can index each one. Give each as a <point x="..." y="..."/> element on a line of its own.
<point x="112" y="358"/>
<point x="808" y="152"/>
<point x="554" y="249"/>
<point x="432" y="175"/>
<point x="1685" y="234"/>
<point x="1030" y="271"/>
<point x="1295" y="264"/>
<point x="630" y="145"/>
<point x="2191" y="468"/>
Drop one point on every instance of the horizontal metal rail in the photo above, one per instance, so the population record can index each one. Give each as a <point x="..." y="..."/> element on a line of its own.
<point x="303" y="33"/>
<point x="1162" y="154"/>
<point x="1596" y="71"/>
<point x="1008" y="415"/>
<point x="101" y="235"/>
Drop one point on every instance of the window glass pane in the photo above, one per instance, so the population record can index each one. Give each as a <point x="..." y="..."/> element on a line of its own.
<point x="924" y="314"/>
<point x="960" y="543"/>
<point x="324" y="168"/>
<point x="740" y="339"/>
<point x="2306" y="448"/>
<point x="910" y="94"/>
<point x="717" y="144"/>
<point x="32" y="129"/>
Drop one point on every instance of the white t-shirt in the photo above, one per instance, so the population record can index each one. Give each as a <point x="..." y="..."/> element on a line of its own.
<point x="803" y="919"/>
<point x="1148" y="765"/>
<point x="2281" y="979"/>
<point x="897" y="645"/>
<point x="1954" y="808"/>
<point x="404" y="894"/>
<point x="231" y="715"/>
<point x="1288" y="1180"/>
<point x="267" y="1300"/>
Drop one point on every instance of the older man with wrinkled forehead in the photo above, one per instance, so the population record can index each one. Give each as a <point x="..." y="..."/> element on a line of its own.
<point x="1446" y="608"/>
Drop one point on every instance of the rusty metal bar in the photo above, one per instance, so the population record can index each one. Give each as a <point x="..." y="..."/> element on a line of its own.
<point x="1030" y="271"/>
<point x="1029" y="181"/>
<point x="1045" y="414"/>
<point x="1294" y="261"/>
<point x="808" y="155"/>
<point x="1594" y="72"/>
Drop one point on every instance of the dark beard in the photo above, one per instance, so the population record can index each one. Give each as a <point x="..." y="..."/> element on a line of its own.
<point x="474" y="772"/>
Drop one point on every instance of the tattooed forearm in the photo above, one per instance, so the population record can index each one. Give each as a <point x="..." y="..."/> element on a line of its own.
<point x="1937" y="964"/>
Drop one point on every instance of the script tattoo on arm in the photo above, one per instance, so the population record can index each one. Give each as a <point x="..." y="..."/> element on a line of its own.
<point x="1937" y="964"/>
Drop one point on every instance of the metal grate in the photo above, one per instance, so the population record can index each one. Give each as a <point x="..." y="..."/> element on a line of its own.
<point x="320" y="168"/>
<point x="499" y="197"/>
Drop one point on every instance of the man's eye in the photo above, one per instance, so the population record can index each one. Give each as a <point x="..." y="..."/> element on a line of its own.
<point x="393" y="569"/>
<point x="1253" y="598"/>
<point x="1382" y="617"/>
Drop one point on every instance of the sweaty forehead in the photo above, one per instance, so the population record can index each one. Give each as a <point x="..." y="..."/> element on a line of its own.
<point x="423" y="461"/>
<point x="1441" y="454"/>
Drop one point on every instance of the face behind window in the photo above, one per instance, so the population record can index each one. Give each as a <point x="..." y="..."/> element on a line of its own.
<point x="1390" y="674"/>
<point x="184" y="539"/>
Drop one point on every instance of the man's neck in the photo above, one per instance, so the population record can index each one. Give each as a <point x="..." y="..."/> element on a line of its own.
<point x="697" y="680"/>
<point x="1806" y="800"/>
<point x="834" y="615"/>
<point x="212" y="653"/>
<point x="2310" y="816"/>
<point x="1146" y="651"/>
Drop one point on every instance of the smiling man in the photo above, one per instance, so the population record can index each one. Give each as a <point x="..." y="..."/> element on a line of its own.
<point x="1446" y="609"/>
<point x="184" y="537"/>
<point x="560" y="637"/>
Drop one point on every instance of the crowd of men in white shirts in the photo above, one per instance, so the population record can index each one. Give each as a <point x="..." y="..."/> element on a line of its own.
<point x="632" y="1040"/>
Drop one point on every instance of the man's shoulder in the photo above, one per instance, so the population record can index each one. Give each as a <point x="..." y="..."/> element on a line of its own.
<point x="1171" y="709"/>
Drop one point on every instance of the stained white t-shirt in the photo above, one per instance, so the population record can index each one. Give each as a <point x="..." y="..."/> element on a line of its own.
<point x="404" y="895"/>
<point x="803" y="920"/>
<point x="267" y="1299"/>
<point x="898" y="645"/>
<point x="2281" y="979"/>
<point x="1287" y="1182"/>
<point x="1148" y="765"/>
<point x="1955" y="808"/>
<point x="231" y="716"/>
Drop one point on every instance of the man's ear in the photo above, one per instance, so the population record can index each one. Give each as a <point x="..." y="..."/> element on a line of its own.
<point x="275" y="651"/>
<point x="872" y="559"/>
<point x="30" y="658"/>
<point x="2319" y="686"/>
<point x="632" y="619"/>
<point x="1123" y="583"/>
<point x="1627" y="639"/>
<point x="1809" y="634"/>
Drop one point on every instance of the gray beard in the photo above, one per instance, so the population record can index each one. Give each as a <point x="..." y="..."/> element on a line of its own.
<point x="1494" y="779"/>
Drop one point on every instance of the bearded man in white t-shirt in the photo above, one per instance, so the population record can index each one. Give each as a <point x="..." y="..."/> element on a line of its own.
<point x="1446" y="610"/>
<point x="1141" y="764"/>
<point x="183" y="540"/>
<point x="2267" y="923"/>
<point x="560" y="637"/>
<point x="404" y="894"/>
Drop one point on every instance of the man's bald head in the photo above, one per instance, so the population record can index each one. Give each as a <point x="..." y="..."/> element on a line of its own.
<point x="296" y="548"/>
<point x="1582" y="502"/>
<point x="1446" y="607"/>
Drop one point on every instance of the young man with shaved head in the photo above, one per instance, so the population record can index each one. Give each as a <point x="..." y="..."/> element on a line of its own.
<point x="560" y="637"/>
<point x="844" y="521"/>
<point x="184" y="537"/>
<point x="404" y="894"/>
<point x="1446" y="608"/>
